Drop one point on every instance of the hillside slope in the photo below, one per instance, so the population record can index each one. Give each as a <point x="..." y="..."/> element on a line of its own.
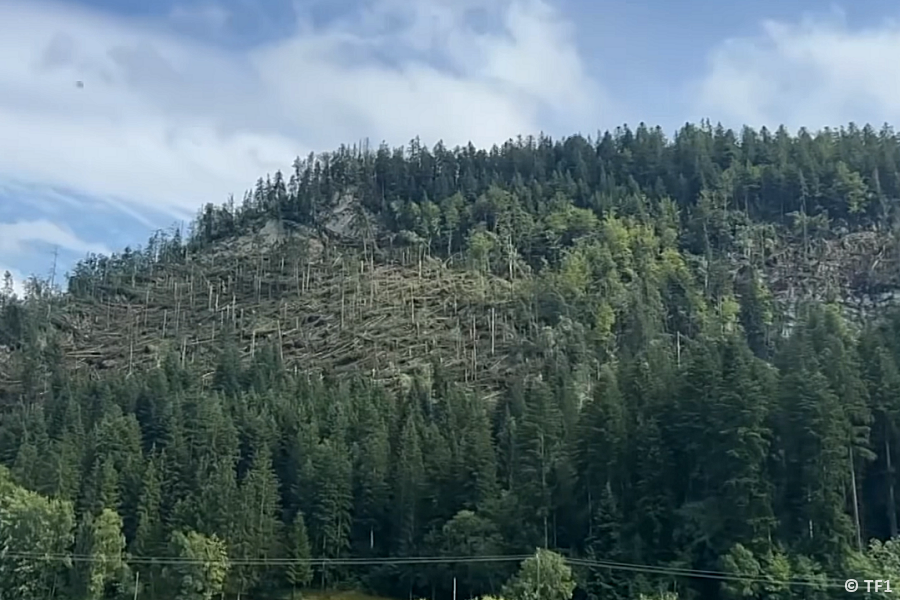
<point x="691" y="387"/>
<point x="351" y="265"/>
<point x="388" y="314"/>
<point x="340" y="310"/>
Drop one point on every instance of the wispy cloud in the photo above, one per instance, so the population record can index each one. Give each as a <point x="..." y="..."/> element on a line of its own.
<point x="812" y="73"/>
<point x="168" y="122"/>
<point x="16" y="238"/>
<point x="32" y="244"/>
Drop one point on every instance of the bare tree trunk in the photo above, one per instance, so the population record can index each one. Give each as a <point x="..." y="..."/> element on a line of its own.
<point x="892" y="506"/>
<point x="855" y="502"/>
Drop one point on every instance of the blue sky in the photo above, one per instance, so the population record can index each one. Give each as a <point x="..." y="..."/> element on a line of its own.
<point x="187" y="101"/>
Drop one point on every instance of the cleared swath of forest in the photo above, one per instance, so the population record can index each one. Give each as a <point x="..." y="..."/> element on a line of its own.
<point x="655" y="358"/>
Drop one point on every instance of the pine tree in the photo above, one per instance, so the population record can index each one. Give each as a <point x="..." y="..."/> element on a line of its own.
<point x="149" y="540"/>
<point x="331" y="516"/>
<point x="817" y="473"/>
<point x="600" y="442"/>
<point x="408" y="484"/>
<point x="223" y="504"/>
<point x="479" y="482"/>
<point x="882" y="379"/>
<point x="25" y="468"/>
<point x="102" y="540"/>
<point x="150" y="537"/>
<point x="228" y="376"/>
<point x="101" y="488"/>
<point x="299" y="573"/>
<point x="605" y="544"/>
<point x="740" y="420"/>
<point x="257" y="528"/>
<point x="538" y="445"/>
<point x="372" y="464"/>
<point x="650" y="493"/>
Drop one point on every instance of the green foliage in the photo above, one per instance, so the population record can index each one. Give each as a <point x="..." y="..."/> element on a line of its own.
<point x="299" y="573"/>
<point x="256" y="527"/>
<point x="101" y="540"/>
<point x="469" y="535"/>
<point x="544" y="576"/>
<point x="592" y="346"/>
<point x="32" y="527"/>
<point x="201" y="572"/>
<point x="772" y="574"/>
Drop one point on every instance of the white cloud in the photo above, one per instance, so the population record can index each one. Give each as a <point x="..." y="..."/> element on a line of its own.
<point x="813" y="73"/>
<point x="18" y="279"/>
<point x="34" y="242"/>
<point x="15" y="237"/>
<point x="168" y="122"/>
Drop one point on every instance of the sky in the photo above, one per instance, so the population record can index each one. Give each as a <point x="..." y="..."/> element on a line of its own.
<point x="187" y="101"/>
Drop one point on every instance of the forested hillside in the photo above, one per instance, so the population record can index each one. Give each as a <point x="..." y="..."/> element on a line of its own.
<point x="674" y="363"/>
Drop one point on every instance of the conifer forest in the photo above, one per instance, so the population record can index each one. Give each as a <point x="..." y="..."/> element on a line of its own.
<point x="604" y="368"/>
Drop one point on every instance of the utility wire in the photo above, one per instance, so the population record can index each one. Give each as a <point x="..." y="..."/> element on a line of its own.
<point x="432" y="560"/>
<point x="274" y="561"/>
<point x="701" y="574"/>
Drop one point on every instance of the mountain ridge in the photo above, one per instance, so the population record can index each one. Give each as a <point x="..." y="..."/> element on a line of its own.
<point x="330" y="210"/>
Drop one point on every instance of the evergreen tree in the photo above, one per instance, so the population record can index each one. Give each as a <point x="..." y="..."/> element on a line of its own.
<point x="605" y="543"/>
<point x="256" y="532"/>
<point x="299" y="573"/>
<point x="642" y="350"/>
<point x="816" y="463"/>
<point x="539" y="448"/>
<point x="409" y="480"/>
<point x="600" y="443"/>
<point x="102" y="540"/>
<point x="372" y="464"/>
<point x="150" y="538"/>
<point x="479" y="457"/>
<point x="331" y="517"/>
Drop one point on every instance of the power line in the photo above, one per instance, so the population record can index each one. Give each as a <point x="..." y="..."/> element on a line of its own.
<point x="274" y="561"/>
<point x="702" y="574"/>
<point x="431" y="560"/>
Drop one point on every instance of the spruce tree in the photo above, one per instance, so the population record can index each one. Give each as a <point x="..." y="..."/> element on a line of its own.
<point x="299" y="573"/>
<point x="605" y="543"/>
<point x="408" y="485"/>
<point x="330" y="519"/>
